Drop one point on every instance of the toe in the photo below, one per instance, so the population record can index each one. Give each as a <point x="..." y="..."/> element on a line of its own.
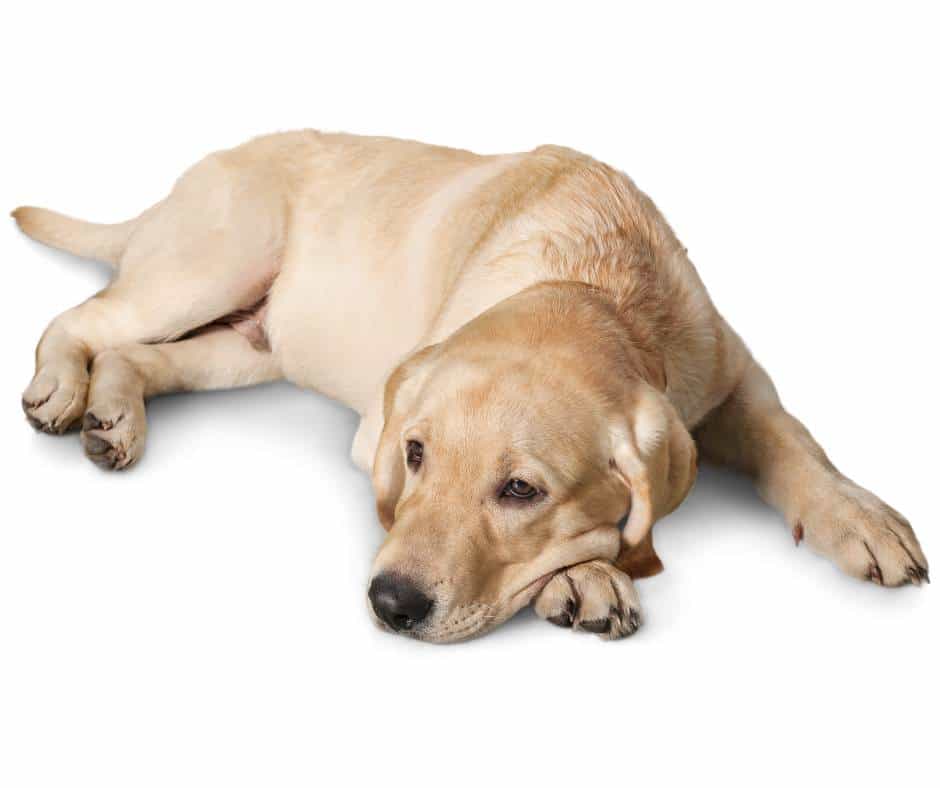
<point x="896" y="561"/>
<point x="566" y="617"/>
<point x="555" y="603"/>
<point x="38" y="392"/>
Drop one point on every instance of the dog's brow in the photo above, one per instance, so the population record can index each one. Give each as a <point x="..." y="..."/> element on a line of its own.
<point x="418" y="428"/>
<point x="524" y="465"/>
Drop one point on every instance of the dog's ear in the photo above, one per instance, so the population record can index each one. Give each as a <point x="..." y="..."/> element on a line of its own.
<point x="388" y="470"/>
<point x="639" y="561"/>
<point x="654" y="455"/>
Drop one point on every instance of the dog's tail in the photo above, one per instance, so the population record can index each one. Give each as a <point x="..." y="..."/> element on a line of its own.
<point x="86" y="239"/>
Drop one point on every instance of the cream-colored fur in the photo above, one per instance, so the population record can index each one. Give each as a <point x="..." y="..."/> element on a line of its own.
<point x="526" y="317"/>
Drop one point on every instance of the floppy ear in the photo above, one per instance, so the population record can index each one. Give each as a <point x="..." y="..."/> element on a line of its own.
<point x="655" y="457"/>
<point x="388" y="469"/>
<point x="639" y="561"/>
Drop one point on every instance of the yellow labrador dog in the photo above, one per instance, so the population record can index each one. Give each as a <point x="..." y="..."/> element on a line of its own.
<point x="535" y="360"/>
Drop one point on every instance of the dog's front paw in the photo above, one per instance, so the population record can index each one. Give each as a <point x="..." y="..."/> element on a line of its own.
<point x="591" y="597"/>
<point x="864" y="536"/>
<point x="55" y="399"/>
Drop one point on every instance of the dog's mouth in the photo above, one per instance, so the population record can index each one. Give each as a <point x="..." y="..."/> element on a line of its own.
<point x="531" y="590"/>
<point x="472" y="619"/>
<point x="487" y="617"/>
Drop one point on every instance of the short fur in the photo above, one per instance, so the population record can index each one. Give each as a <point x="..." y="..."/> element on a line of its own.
<point x="528" y="316"/>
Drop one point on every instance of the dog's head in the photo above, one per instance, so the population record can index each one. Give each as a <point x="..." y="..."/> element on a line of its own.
<point x="511" y="450"/>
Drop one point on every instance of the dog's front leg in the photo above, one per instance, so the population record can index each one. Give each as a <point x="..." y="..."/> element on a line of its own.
<point x="837" y="518"/>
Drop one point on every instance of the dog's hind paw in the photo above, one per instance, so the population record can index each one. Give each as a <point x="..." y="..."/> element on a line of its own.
<point x="55" y="399"/>
<point x="113" y="432"/>
<point x="591" y="597"/>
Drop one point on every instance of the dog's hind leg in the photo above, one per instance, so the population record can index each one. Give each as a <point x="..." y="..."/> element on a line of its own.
<point x="122" y="378"/>
<point x="210" y="249"/>
<point x="838" y="519"/>
<point x="153" y="307"/>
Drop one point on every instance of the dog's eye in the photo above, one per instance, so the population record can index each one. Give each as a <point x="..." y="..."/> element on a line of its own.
<point x="414" y="451"/>
<point x="518" y="488"/>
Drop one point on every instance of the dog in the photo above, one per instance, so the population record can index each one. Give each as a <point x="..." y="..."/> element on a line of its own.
<point x="536" y="363"/>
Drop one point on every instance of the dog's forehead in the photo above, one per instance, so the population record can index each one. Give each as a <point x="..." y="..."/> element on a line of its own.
<point x="495" y="390"/>
<point x="507" y="408"/>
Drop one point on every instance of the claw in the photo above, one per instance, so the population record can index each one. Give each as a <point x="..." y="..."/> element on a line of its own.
<point x="914" y="574"/>
<point x="874" y="574"/>
<point x="634" y="618"/>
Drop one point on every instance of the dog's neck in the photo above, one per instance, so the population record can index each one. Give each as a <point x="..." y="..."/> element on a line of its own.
<point x="628" y="269"/>
<point x="571" y="317"/>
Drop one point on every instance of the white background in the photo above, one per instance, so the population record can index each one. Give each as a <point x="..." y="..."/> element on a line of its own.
<point x="200" y="620"/>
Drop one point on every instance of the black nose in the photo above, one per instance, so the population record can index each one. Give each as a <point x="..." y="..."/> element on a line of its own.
<point x="398" y="601"/>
